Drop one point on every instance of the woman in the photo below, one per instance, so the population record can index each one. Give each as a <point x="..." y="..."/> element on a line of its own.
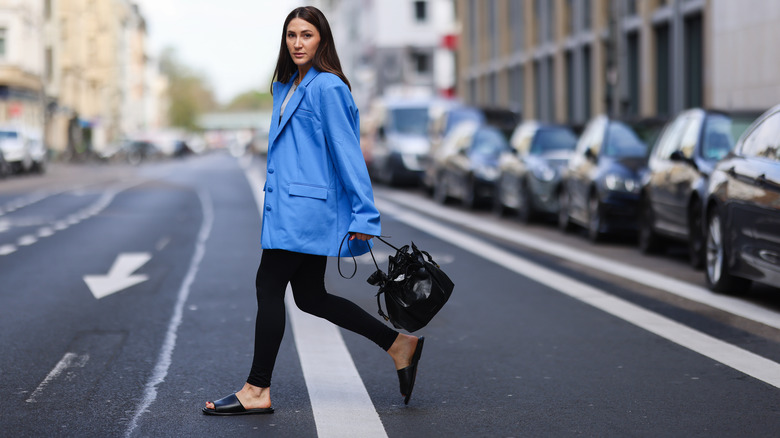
<point x="317" y="191"/>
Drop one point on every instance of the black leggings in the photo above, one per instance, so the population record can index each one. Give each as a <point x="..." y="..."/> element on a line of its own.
<point x="306" y="275"/>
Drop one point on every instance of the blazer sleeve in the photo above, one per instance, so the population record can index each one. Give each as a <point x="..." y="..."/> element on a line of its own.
<point x="341" y="126"/>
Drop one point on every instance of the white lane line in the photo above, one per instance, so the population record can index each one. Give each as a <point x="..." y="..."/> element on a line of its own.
<point x="169" y="344"/>
<point x="741" y="360"/>
<point x="7" y="249"/>
<point x="340" y="402"/>
<point x="27" y="240"/>
<point x="732" y="305"/>
<point x="339" y="399"/>
<point x="70" y="360"/>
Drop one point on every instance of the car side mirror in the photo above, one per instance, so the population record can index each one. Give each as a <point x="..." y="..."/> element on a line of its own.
<point x="590" y="155"/>
<point x="678" y="156"/>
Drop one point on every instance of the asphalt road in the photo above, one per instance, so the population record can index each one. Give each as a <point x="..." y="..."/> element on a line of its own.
<point x="545" y="333"/>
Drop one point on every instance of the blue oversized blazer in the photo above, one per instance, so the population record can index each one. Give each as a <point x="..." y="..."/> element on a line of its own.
<point x="317" y="185"/>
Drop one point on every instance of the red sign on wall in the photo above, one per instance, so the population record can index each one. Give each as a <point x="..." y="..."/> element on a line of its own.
<point x="15" y="109"/>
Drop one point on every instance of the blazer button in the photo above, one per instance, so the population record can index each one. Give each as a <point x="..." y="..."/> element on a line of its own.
<point x="270" y="189"/>
<point x="268" y="208"/>
<point x="270" y="171"/>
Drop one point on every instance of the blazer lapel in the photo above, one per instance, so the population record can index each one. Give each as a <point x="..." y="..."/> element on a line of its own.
<point x="295" y="99"/>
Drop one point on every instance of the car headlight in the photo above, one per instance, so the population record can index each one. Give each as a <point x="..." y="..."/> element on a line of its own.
<point x="486" y="173"/>
<point x="544" y="173"/>
<point x="411" y="161"/>
<point x="619" y="183"/>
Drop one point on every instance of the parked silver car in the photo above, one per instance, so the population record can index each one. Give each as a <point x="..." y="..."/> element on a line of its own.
<point x="530" y="172"/>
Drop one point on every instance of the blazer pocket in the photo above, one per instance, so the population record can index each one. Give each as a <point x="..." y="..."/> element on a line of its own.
<point x="309" y="191"/>
<point x="303" y="112"/>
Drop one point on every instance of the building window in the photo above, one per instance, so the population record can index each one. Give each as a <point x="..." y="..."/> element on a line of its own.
<point x="570" y="99"/>
<point x="517" y="24"/>
<point x="516" y="87"/>
<point x="550" y="28"/>
<point x="495" y="41"/>
<point x="538" y="87"/>
<point x="493" y="89"/>
<point x="631" y="8"/>
<point x="587" y="80"/>
<point x="421" y="11"/>
<point x="587" y="16"/>
<point x="2" y="41"/>
<point x="422" y="63"/>
<point x="662" y="70"/>
<point x="693" y="63"/>
<point x="544" y="99"/>
<point x="632" y="43"/>
<point x="49" y="64"/>
<point x="539" y="20"/>
<point x="47" y="9"/>
<point x="473" y="31"/>
<point x="473" y="92"/>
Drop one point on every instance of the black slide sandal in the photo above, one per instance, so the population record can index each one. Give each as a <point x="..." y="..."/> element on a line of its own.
<point x="231" y="405"/>
<point x="407" y="376"/>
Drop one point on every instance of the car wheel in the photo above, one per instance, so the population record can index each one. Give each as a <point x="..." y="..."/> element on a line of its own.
<point x="716" y="273"/>
<point x="564" y="222"/>
<point x="135" y="158"/>
<point x="696" y="252"/>
<point x="470" y="196"/>
<point x="440" y="193"/>
<point x="498" y="199"/>
<point x="649" y="241"/>
<point x="594" y="219"/>
<point x="39" y="167"/>
<point x="524" y="209"/>
<point x="388" y="175"/>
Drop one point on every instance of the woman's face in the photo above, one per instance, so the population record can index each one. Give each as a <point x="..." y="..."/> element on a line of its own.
<point x="302" y="42"/>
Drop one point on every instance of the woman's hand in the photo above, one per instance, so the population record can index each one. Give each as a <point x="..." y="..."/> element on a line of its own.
<point x="360" y="236"/>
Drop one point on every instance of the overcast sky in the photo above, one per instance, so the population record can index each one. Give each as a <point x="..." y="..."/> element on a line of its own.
<point x="234" y="43"/>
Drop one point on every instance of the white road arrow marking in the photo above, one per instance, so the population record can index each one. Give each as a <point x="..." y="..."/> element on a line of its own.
<point x="120" y="276"/>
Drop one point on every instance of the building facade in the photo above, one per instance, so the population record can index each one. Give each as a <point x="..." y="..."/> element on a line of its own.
<point x="567" y="60"/>
<point x="394" y="46"/>
<point x="22" y="65"/>
<point x="77" y="74"/>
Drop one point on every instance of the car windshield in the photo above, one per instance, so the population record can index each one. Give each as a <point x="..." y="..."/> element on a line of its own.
<point x="460" y="115"/>
<point x="409" y="121"/>
<point x="719" y="136"/>
<point x="8" y="134"/>
<point x="623" y="142"/>
<point x="551" y="140"/>
<point x="489" y="142"/>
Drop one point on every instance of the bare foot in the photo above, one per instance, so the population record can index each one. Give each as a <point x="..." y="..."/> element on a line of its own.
<point x="402" y="350"/>
<point x="251" y="397"/>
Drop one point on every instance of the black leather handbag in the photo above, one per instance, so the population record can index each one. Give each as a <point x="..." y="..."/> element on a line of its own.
<point x="414" y="286"/>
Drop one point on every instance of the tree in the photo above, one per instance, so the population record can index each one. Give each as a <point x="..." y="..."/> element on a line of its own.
<point x="252" y="100"/>
<point x="189" y="91"/>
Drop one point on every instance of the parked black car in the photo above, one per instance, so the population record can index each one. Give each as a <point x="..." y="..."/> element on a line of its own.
<point x="674" y="186"/>
<point x="743" y="211"/>
<point x="466" y="167"/>
<point x="530" y="171"/>
<point x="601" y="181"/>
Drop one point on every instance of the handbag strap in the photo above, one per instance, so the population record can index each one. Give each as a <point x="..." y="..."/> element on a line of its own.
<point x="354" y="261"/>
<point x="338" y="264"/>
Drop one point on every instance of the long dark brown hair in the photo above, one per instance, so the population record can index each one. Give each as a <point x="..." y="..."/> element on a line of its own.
<point x="326" y="59"/>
